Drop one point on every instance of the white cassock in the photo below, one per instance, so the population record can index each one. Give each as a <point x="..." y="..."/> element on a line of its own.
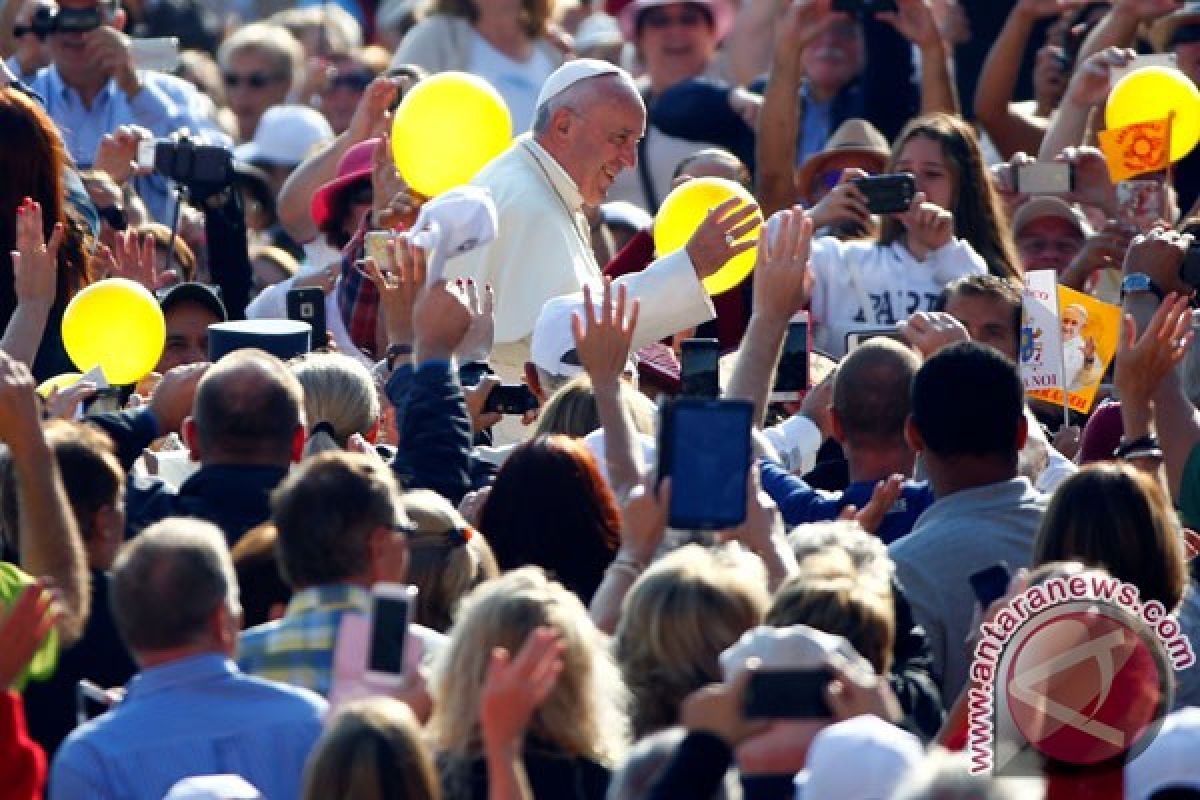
<point x="543" y="250"/>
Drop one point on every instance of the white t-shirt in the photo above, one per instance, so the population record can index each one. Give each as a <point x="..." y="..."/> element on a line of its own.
<point x="860" y="285"/>
<point x="517" y="82"/>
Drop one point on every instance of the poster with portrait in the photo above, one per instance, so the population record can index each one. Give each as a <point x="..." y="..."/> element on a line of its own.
<point x="1088" y="331"/>
<point x="1041" y="346"/>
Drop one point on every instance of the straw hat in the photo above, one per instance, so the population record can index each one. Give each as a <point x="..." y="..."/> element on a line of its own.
<point x="853" y="137"/>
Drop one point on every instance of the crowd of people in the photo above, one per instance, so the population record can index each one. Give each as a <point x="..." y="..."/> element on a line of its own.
<point x="192" y="565"/>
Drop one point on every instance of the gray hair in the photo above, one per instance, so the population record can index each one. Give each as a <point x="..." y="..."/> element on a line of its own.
<point x="273" y="41"/>
<point x="339" y="390"/>
<point x="867" y="553"/>
<point x="168" y="581"/>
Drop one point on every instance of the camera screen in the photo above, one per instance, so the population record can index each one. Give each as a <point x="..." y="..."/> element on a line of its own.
<point x="710" y="459"/>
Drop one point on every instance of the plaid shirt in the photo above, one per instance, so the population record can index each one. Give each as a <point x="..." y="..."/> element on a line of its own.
<point x="357" y="297"/>
<point x="298" y="649"/>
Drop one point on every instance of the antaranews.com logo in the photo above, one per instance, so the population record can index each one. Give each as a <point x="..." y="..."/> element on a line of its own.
<point x="1076" y="670"/>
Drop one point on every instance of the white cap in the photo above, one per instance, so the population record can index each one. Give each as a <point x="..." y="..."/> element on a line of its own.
<point x="794" y="647"/>
<point x="213" y="787"/>
<point x="881" y="753"/>
<point x="1170" y="760"/>
<point x="285" y="136"/>
<point x="552" y="337"/>
<point x="572" y="72"/>
<point x="453" y="223"/>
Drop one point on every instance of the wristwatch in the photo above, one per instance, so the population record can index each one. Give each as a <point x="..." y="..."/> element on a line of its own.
<point x="1140" y="282"/>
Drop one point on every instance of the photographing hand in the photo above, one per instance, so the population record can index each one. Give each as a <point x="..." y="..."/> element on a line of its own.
<point x="717" y="709"/>
<point x="476" y="397"/>
<point x="61" y="403"/>
<point x="718" y="238"/>
<point x="1160" y="254"/>
<point x="604" y="336"/>
<point x="929" y="227"/>
<point x="1092" y="80"/>
<point x="398" y="291"/>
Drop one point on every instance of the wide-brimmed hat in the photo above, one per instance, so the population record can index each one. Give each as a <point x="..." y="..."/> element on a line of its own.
<point x="721" y="10"/>
<point x="1165" y="28"/>
<point x="354" y="166"/>
<point x="853" y="137"/>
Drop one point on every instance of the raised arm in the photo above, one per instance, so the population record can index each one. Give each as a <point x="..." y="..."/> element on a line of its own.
<point x="781" y="288"/>
<point x="914" y="20"/>
<point x="370" y="119"/>
<point x="1088" y="89"/>
<point x="1011" y="131"/>
<point x="780" y="119"/>
<point x="748" y="47"/>
<point x="35" y="273"/>
<point x="1119" y="27"/>
<point x="47" y="536"/>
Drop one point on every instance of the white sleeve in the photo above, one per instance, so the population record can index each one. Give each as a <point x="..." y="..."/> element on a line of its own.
<point x="672" y="298"/>
<point x="956" y="259"/>
<point x="271" y="302"/>
<point x="796" y="440"/>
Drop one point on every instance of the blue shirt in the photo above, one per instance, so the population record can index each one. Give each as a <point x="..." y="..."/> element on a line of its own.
<point x="799" y="503"/>
<point x="82" y="128"/>
<point x="195" y="716"/>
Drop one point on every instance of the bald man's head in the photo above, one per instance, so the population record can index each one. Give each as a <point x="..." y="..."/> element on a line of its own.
<point x="248" y="409"/>
<point x="871" y="393"/>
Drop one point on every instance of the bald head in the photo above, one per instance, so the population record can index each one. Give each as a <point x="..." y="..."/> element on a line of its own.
<point x="871" y="393"/>
<point x="248" y="409"/>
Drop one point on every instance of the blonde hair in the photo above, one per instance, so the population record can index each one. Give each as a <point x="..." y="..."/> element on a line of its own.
<point x="572" y="411"/>
<point x="340" y="391"/>
<point x="850" y="607"/>
<point x="447" y="558"/>
<point x="676" y="620"/>
<point x="585" y="714"/>
<point x="372" y="750"/>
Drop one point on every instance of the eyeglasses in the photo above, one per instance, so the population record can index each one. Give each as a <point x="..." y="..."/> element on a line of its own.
<point x="254" y="80"/>
<point x="355" y="81"/>
<point x="688" y="18"/>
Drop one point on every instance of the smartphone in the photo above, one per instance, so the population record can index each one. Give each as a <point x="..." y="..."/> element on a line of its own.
<point x="510" y="399"/>
<point x="1045" y="178"/>
<point x="308" y="305"/>
<point x="1167" y="60"/>
<point x="378" y="247"/>
<point x="90" y="701"/>
<point x="864" y="6"/>
<point x="704" y="448"/>
<point x="787" y="694"/>
<point x="855" y="339"/>
<point x="991" y="583"/>
<point x="103" y="401"/>
<point x="145" y="153"/>
<point x="791" y="375"/>
<point x="392" y="608"/>
<point x="160" y="54"/>
<point x="888" y="194"/>
<point x="699" y="368"/>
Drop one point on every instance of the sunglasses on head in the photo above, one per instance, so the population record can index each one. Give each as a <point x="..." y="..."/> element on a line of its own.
<point x="255" y="80"/>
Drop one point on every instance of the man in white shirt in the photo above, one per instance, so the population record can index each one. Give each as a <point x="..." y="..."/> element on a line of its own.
<point x="589" y="119"/>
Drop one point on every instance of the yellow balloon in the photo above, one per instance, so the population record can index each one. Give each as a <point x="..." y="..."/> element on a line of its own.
<point x="683" y="211"/>
<point x="116" y="325"/>
<point x="1153" y="93"/>
<point x="58" y="382"/>
<point x="446" y="129"/>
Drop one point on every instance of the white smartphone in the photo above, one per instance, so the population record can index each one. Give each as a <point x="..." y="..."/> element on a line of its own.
<point x="1045" y="178"/>
<point x="392" y="607"/>
<point x="1151" y="60"/>
<point x="158" y="54"/>
<point x="145" y="153"/>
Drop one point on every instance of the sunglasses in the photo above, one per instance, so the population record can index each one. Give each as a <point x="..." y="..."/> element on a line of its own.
<point x="356" y="81"/>
<point x="688" y="18"/>
<point x="254" y="80"/>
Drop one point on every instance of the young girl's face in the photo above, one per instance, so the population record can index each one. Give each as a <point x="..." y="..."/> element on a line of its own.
<point x="923" y="157"/>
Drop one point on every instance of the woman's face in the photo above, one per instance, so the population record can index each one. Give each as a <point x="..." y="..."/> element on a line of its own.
<point x="676" y="41"/>
<point x="923" y="157"/>
<point x="253" y="83"/>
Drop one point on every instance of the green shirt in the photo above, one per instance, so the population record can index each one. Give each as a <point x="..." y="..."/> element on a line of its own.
<point x="12" y="582"/>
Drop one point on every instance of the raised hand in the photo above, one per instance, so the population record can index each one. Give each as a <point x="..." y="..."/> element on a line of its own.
<point x="1091" y="82"/>
<point x="1143" y="362"/>
<point x="481" y="335"/>
<point x="782" y="281"/>
<point x="393" y="203"/>
<point x="23" y="630"/>
<point x="644" y="520"/>
<point x="35" y="262"/>
<point x="514" y="688"/>
<point x="844" y="203"/>
<point x="717" y="239"/>
<point x="440" y="322"/>
<point x="604" y="335"/>
<point x="913" y="19"/>
<point x="398" y="290"/>
<point x="137" y="260"/>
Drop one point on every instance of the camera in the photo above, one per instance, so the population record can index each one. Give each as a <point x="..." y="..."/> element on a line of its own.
<point x="187" y="162"/>
<point x="48" y="20"/>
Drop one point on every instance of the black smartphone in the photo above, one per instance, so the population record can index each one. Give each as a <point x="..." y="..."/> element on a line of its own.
<point x="704" y="447"/>
<point x="1045" y="178"/>
<point x="699" y="369"/>
<point x="103" y="401"/>
<point x="308" y="305"/>
<point x="392" y="607"/>
<point x="888" y="194"/>
<point x="787" y="694"/>
<point x="791" y="375"/>
<point x="510" y="399"/>
<point x="990" y="584"/>
<point x="864" y="7"/>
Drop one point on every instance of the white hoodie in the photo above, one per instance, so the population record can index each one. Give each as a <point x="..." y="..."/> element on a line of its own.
<point x="885" y="281"/>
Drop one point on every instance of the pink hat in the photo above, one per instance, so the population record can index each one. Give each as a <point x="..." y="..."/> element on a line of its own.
<point x="354" y="166"/>
<point x="721" y="10"/>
